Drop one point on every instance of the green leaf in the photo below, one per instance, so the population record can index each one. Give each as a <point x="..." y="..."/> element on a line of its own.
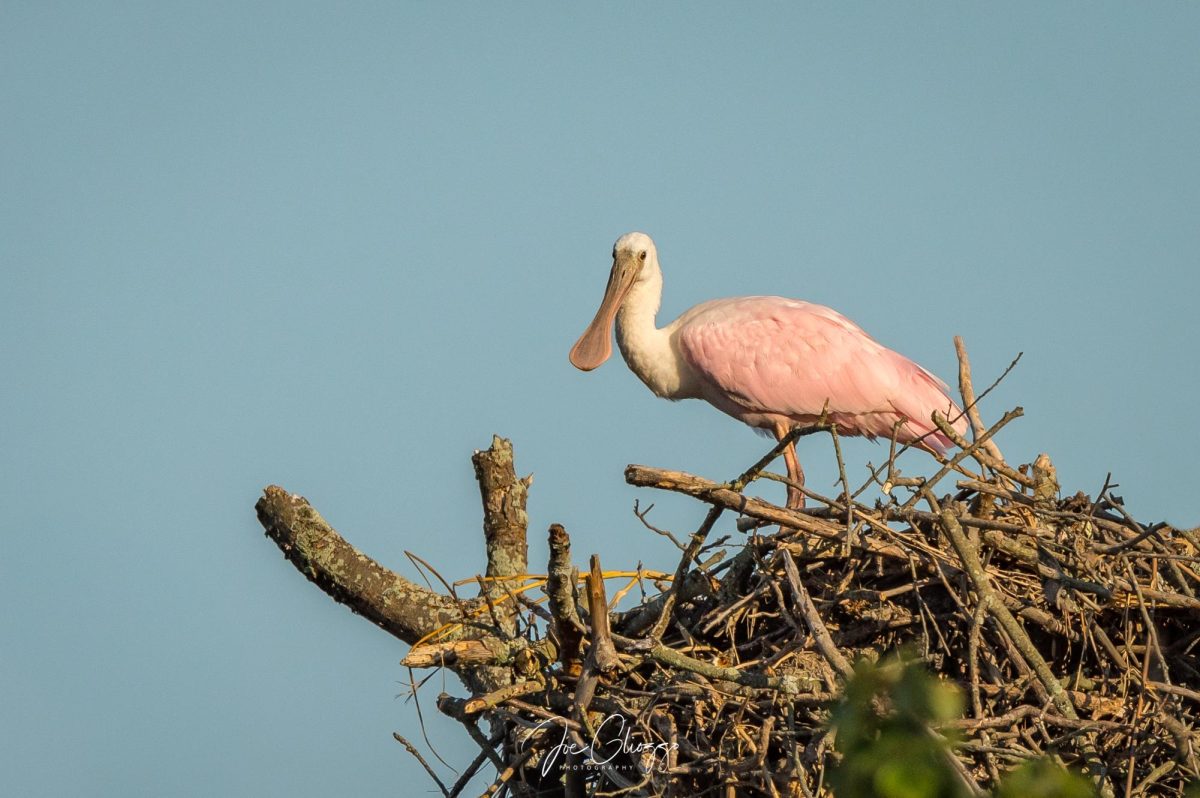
<point x="1044" y="778"/>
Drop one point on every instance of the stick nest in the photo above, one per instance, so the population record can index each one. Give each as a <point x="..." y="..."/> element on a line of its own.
<point x="1068" y="627"/>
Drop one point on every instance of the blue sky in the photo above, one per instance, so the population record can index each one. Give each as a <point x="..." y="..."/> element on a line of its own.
<point x="336" y="247"/>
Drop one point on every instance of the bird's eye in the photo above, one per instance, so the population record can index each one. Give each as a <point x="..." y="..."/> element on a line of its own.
<point x="642" y="254"/>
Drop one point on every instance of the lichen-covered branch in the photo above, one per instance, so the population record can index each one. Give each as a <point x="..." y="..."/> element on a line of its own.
<point x="560" y="589"/>
<point x="394" y="603"/>
<point x="504" y="518"/>
<point x="350" y="577"/>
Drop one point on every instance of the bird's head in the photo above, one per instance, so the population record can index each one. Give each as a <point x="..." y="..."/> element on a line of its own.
<point x="635" y="261"/>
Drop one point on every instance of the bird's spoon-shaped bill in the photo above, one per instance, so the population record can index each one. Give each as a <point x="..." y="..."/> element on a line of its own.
<point x="595" y="345"/>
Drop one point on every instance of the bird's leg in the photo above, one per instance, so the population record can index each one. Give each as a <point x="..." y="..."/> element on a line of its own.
<point x="795" y="500"/>
<point x="795" y="497"/>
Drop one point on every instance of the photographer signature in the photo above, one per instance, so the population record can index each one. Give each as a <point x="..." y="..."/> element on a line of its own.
<point x="601" y="753"/>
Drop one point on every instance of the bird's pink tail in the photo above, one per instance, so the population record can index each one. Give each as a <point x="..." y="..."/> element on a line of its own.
<point x="930" y="394"/>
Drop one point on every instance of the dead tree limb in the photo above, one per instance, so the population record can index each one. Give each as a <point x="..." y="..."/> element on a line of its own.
<point x="475" y="643"/>
<point x="560" y="588"/>
<point x="504" y="518"/>
<point x="382" y="596"/>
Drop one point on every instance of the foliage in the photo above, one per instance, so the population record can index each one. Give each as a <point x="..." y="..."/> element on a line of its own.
<point x="1043" y="778"/>
<point x="885" y="726"/>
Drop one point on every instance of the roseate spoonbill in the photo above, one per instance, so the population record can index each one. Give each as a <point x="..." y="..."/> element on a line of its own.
<point x="770" y="362"/>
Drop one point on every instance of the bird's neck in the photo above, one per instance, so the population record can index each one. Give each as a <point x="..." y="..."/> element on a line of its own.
<point x="647" y="349"/>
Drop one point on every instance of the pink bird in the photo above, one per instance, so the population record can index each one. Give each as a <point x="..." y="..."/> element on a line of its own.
<point x="770" y="362"/>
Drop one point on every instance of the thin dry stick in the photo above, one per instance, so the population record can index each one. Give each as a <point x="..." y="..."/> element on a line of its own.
<point x="968" y="451"/>
<point x="981" y="455"/>
<point x="469" y="773"/>
<point x="412" y="749"/>
<point x="847" y="499"/>
<point x="889" y="464"/>
<point x="667" y="612"/>
<point x="968" y="396"/>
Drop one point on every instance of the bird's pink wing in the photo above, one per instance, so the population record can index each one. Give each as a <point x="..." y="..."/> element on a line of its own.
<point x="791" y="358"/>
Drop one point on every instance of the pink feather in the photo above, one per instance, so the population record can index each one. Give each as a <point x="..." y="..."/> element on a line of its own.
<point x="767" y="359"/>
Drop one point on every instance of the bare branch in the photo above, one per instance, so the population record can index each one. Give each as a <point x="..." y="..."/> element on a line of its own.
<point x="350" y="577"/>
